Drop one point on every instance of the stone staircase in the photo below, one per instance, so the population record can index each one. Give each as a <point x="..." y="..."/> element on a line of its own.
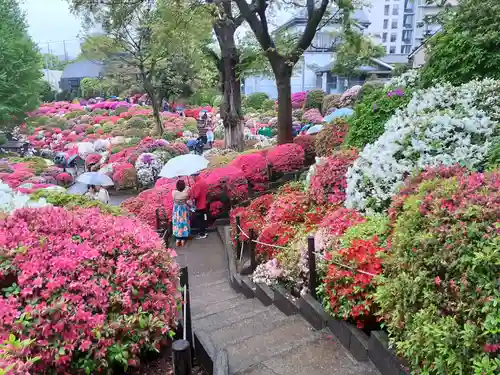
<point x="261" y="340"/>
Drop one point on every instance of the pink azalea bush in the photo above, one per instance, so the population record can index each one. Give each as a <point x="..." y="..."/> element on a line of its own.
<point x="76" y="270"/>
<point x="334" y="225"/>
<point x="312" y="116"/>
<point x="286" y="158"/>
<point x="298" y="99"/>
<point x="328" y="184"/>
<point x="64" y="178"/>
<point x="92" y="159"/>
<point x="124" y="176"/>
<point x="289" y="208"/>
<point x="307" y="142"/>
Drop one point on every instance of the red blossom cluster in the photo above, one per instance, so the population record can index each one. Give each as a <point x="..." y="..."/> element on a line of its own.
<point x="328" y="184"/>
<point x="93" y="159"/>
<point x="79" y="283"/>
<point x="349" y="281"/>
<point x="307" y="142"/>
<point x="286" y="158"/>
<point x="124" y="175"/>
<point x="331" y="137"/>
<point x="289" y="208"/>
<point x="254" y="168"/>
<point x="277" y="234"/>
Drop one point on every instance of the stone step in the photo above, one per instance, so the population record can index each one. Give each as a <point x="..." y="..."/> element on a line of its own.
<point x="202" y="280"/>
<point x="322" y="356"/>
<point x="200" y="310"/>
<point x="246" y="309"/>
<point x="248" y="326"/>
<point x="289" y="333"/>
<point x="212" y="293"/>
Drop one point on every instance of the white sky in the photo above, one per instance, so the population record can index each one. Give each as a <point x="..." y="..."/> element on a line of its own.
<point x="50" y="23"/>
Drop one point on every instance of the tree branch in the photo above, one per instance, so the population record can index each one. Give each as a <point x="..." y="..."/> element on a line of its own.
<point x="258" y="28"/>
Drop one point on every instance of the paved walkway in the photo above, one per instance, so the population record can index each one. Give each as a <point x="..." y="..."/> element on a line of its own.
<point x="260" y="340"/>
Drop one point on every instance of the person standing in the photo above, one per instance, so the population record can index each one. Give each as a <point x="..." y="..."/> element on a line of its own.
<point x="91" y="192"/>
<point x="199" y="195"/>
<point x="102" y="195"/>
<point x="180" y="213"/>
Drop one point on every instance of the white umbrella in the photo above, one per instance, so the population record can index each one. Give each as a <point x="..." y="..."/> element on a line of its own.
<point x="77" y="189"/>
<point x="95" y="178"/>
<point x="314" y="129"/>
<point x="184" y="165"/>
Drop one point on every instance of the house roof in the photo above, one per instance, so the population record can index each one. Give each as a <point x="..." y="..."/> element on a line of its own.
<point x="377" y="66"/>
<point x="395" y="59"/>
<point x="83" y="69"/>
<point x="359" y="16"/>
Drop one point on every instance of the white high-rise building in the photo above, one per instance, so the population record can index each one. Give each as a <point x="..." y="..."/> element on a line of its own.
<point x="399" y="24"/>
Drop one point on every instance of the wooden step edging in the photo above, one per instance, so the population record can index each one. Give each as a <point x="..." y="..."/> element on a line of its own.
<point x="361" y="346"/>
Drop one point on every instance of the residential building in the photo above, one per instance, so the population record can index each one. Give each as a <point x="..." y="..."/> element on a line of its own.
<point x="400" y="25"/>
<point x="75" y="72"/>
<point x="52" y="77"/>
<point x="314" y="68"/>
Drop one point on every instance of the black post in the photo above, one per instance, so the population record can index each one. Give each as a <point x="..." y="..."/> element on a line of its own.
<point x="253" y="259"/>
<point x="312" y="266"/>
<point x="270" y="173"/>
<point x="184" y="281"/>
<point x="238" y="234"/>
<point x="181" y="357"/>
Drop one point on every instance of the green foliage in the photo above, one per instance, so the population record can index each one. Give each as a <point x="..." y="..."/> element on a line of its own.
<point x="91" y="87"/>
<point x="3" y="139"/>
<point x="370" y="115"/>
<point x="53" y="62"/>
<point x="494" y="154"/>
<point x="467" y="47"/>
<point x="20" y="65"/>
<point x="72" y="201"/>
<point x="136" y="123"/>
<point x="314" y="99"/>
<point x="331" y="137"/>
<point x="90" y="130"/>
<point x="356" y="50"/>
<point x="330" y="101"/>
<point x="368" y="87"/>
<point x="74" y="114"/>
<point x="375" y="225"/>
<point x="268" y="105"/>
<point x="256" y="100"/>
<point x="439" y="296"/>
<point x="47" y="93"/>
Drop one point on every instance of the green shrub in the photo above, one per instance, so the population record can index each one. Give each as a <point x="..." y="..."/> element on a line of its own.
<point x="494" y="153"/>
<point x="133" y="133"/>
<point x="136" y="123"/>
<point x="107" y="128"/>
<point x="3" y="139"/>
<point x="267" y="105"/>
<point x="375" y="225"/>
<point x="120" y="110"/>
<point x="169" y="136"/>
<point x="256" y="100"/>
<point x="439" y="294"/>
<point x="74" y="114"/>
<point x="331" y="137"/>
<point x="72" y="201"/>
<point x="90" y="130"/>
<point x="314" y="99"/>
<point x="370" y="115"/>
<point x="191" y="125"/>
<point x="331" y="101"/>
<point x="368" y="87"/>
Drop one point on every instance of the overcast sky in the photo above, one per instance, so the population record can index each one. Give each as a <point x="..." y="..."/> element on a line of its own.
<point x="50" y="23"/>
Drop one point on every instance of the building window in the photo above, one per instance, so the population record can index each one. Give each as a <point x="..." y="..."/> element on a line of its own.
<point x="394" y="24"/>
<point x="407" y="36"/>
<point x="408" y="20"/>
<point x="409" y="6"/>
<point x="386" y="10"/>
<point x="392" y="50"/>
<point x="386" y="24"/>
<point x="384" y="37"/>
<point x="395" y="9"/>
<point x="406" y="49"/>
<point x="394" y="36"/>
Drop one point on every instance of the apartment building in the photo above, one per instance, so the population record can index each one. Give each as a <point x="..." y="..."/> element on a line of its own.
<point x="399" y="24"/>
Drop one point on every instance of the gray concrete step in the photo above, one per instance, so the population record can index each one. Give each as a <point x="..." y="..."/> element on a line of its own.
<point x="322" y="356"/>
<point x="289" y="333"/>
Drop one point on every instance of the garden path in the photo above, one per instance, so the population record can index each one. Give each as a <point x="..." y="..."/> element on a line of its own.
<point x="259" y="340"/>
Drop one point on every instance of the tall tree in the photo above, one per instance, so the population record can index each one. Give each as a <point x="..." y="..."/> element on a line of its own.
<point x="20" y="64"/>
<point x="283" y="61"/>
<point x="146" y="34"/>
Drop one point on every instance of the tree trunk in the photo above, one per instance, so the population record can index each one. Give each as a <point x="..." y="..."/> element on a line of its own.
<point x="230" y="108"/>
<point x="283" y="76"/>
<point x="148" y="87"/>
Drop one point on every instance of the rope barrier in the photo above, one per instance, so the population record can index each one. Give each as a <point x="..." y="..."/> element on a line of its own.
<point x="317" y="254"/>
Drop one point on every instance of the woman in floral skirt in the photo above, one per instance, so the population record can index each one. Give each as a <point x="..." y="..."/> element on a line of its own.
<point x="180" y="214"/>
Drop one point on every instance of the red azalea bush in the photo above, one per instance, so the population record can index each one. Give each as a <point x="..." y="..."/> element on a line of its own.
<point x="84" y="286"/>
<point x="289" y="208"/>
<point x="331" y="137"/>
<point x="286" y="158"/>
<point x="328" y="184"/>
<point x="441" y="275"/>
<point x="254" y="168"/>
<point x="348" y="294"/>
<point x="308" y="144"/>
<point x="93" y="159"/>
<point x="179" y="148"/>
<point x="253" y="216"/>
<point x="64" y="178"/>
<point x="124" y="176"/>
<point x="219" y="180"/>
<point x="278" y="234"/>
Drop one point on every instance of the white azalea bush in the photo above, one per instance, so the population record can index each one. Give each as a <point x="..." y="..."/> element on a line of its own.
<point x="11" y="200"/>
<point x="148" y="167"/>
<point x="407" y="79"/>
<point x="441" y="125"/>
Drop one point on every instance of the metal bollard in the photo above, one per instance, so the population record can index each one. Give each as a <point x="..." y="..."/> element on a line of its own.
<point x="181" y="357"/>
<point x="312" y="266"/>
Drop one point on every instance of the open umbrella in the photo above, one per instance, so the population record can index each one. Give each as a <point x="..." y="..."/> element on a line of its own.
<point x="314" y="129"/>
<point x="95" y="178"/>
<point x="342" y="112"/>
<point x="184" y="165"/>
